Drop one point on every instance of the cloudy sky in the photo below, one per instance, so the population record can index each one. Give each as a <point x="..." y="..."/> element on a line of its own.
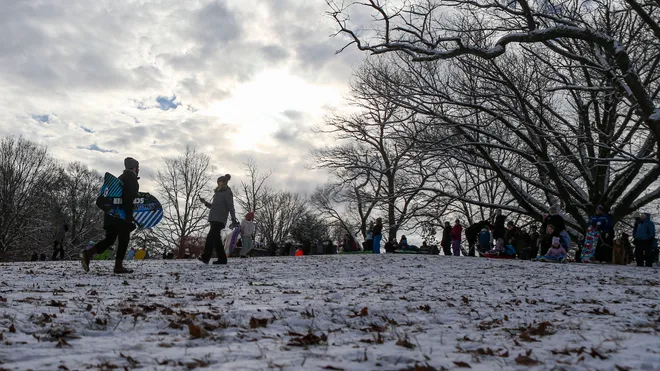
<point x="97" y="81"/>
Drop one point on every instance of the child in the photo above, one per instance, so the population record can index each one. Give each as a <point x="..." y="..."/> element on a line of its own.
<point x="248" y="229"/>
<point x="499" y="248"/>
<point x="484" y="239"/>
<point x="557" y="252"/>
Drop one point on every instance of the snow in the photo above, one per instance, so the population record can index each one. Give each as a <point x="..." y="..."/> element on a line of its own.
<point x="420" y="309"/>
<point x="656" y="115"/>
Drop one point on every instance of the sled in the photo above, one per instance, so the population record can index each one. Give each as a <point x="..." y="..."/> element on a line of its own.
<point x="140" y="255"/>
<point x="546" y="259"/>
<point x="496" y="256"/>
<point x="147" y="210"/>
<point x="590" y="243"/>
<point x="232" y="240"/>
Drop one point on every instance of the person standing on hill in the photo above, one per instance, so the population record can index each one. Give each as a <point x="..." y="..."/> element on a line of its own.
<point x="222" y="205"/>
<point x="58" y="243"/>
<point x="446" y="239"/>
<point x="644" y="234"/>
<point x="456" y="237"/>
<point x="377" y="232"/>
<point x="116" y="228"/>
<point x="248" y="229"/>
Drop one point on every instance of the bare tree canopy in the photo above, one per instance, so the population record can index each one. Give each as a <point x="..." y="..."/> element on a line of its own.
<point x="180" y="182"/>
<point x="253" y="190"/>
<point x="26" y="174"/>
<point x="568" y="116"/>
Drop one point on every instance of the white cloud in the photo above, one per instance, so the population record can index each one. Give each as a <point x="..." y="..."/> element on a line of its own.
<point x="99" y="81"/>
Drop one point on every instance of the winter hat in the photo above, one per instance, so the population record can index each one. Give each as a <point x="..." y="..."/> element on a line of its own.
<point x="131" y="163"/>
<point x="555" y="240"/>
<point x="225" y="178"/>
<point x="250" y="215"/>
<point x="600" y="207"/>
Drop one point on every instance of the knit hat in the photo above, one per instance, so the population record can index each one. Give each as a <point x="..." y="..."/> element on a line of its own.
<point x="556" y="240"/>
<point x="250" y="215"/>
<point x="131" y="163"/>
<point x="225" y="178"/>
<point x="600" y="207"/>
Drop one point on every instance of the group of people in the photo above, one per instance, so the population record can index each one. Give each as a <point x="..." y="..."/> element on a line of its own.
<point x="552" y="242"/>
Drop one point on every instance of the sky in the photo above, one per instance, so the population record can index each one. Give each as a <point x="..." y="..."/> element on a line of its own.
<point x="97" y="81"/>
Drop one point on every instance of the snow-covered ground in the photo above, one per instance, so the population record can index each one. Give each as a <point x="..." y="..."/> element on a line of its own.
<point x="353" y="312"/>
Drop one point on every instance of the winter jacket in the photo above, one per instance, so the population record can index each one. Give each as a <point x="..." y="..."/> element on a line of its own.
<point x="472" y="232"/>
<point x="248" y="228"/>
<point x="484" y="238"/>
<point x="546" y="241"/>
<point x="511" y="236"/>
<point x="556" y="220"/>
<point x="645" y="229"/>
<point x="556" y="252"/>
<point x="534" y="240"/>
<point x="446" y="237"/>
<point x="456" y="232"/>
<point x="378" y="229"/>
<point x="500" y="229"/>
<point x="404" y="244"/>
<point x="129" y="192"/>
<point x="603" y="222"/>
<point x="221" y="206"/>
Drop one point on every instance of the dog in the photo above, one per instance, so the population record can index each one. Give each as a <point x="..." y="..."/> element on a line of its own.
<point x="619" y="253"/>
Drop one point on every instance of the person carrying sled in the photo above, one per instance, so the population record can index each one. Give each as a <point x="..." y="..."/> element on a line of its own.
<point x="248" y="229"/>
<point x="117" y="228"/>
<point x="221" y="206"/>
<point x="58" y="243"/>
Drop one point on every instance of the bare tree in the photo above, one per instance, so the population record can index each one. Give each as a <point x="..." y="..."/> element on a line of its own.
<point x="74" y="201"/>
<point x="252" y="192"/>
<point x="568" y="116"/>
<point x="280" y="211"/>
<point x="26" y="174"/>
<point x="180" y="182"/>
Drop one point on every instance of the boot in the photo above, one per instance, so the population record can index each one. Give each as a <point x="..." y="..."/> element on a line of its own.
<point x="86" y="256"/>
<point x="219" y="262"/>
<point x="122" y="270"/>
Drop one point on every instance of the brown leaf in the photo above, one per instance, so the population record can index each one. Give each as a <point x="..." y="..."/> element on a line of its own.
<point x="3" y="300"/>
<point x="54" y="303"/>
<point x="36" y="337"/>
<point x="426" y="308"/>
<point x="258" y="322"/>
<point x="460" y="364"/>
<point x="332" y="368"/>
<point x="309" y="339"/>
<point x="405" y="343"/>
<point x="196" y="332"/>
<point x="622" y="368"/>
<point x="596" y="354"/>
<point x="167" y="312"/>
<point x="525" y="337"/>
<point x="89" y="307"/>
<point x="133" y="362"/>
<point x="541" y="329"/>
<point x="127" y="311"/>
<point x="526" y="360"/>
<point x="505" y="354"/>
<point x="12" y="329"/>
<point x="466" y="301"/>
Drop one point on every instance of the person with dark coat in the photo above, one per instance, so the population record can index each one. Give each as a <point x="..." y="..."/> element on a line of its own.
<point x="644" y="236"/>
<point x="472" y="236"/>
<point x="221" y="206"/>
<point x="456" y="232"/>
<point x="390" y="246"/>
<point x="34" y="257"/>
<point x="555" y="219"/>
<point x="499" y="228"/>
<point x="116" y="228"/>
<point x="377" y="233"/>
<point x="511" y="234"/>
<point x="445" y="243"/>
<point x="533" y="242"/>
<point x="603" y="222"/>
<point x="58" y="242"/>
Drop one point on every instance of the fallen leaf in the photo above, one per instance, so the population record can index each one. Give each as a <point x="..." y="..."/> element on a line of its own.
<point x="525" y="336"/>
<point x="89" y="307"/>
<point x="12" y="329"/>
<point x="462" y="364"/>
<point x="526" y="360"/>
<point x="196" y="332"/>
<point x="309" y="339"/>
<point x="258" y="322"/>
<point x="333" y="368"/>
<point x="405" y="343"/>
<point x="61" y="343"/>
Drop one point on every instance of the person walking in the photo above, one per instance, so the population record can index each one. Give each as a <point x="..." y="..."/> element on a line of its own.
<point x="117" y="228"/>
<point x="221" y="206"/>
